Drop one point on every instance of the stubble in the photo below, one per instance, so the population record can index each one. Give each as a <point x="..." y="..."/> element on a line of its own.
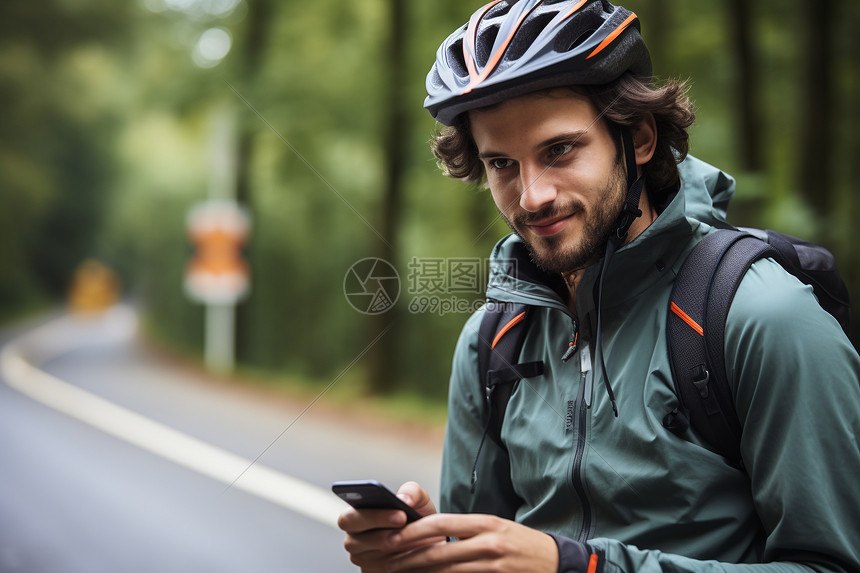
<point x="557" y="254"/>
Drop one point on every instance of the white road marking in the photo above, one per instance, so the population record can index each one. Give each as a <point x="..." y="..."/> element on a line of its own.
<point x="305" y="498"/>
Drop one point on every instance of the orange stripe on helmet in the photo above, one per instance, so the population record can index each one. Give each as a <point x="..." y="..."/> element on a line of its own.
<point x="514" y="321"/>
<point x="608" y="40"/>
<point x="574" y="9"/>
<point x="469" y="41"/>
<point x="686" y="318"/>
<point x="497" y="55"/>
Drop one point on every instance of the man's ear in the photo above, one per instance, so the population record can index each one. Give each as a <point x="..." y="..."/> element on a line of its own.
<point x="645" y="140"/>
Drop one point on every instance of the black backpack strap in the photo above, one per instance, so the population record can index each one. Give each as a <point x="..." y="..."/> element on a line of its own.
<point x="813" y="265"/>
<point x="698" y="307"/>
<point x="501" y="335"/>
<point x="500" y="341"/>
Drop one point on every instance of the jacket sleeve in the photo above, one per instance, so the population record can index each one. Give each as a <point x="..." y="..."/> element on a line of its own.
<point x="493" y="492"/>
<point x="576" y="557"/>
<point x="797" y="389"/>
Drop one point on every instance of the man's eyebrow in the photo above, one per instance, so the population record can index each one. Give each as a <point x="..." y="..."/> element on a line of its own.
<point x="566" y="137"/>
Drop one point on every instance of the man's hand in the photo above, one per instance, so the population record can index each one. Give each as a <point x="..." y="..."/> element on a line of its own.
<point x="379" y="540"/>
<point x="369" y="531"/>
<point x="485" y="543"/>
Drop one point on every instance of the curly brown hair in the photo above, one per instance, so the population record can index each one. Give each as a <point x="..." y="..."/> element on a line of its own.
<point x="625" y="102"/>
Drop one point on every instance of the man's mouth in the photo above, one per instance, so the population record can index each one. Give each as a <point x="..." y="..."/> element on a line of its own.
<point x="550" y="226"/>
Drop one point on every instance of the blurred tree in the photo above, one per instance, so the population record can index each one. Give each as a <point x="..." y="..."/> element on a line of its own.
<point x="656" y="20"/>
<point x="749" y="125"/>
<point x="846" y="167"/>
<point x="255" y="39"/>
<point x="55" y="167"/>
<point x="814" y="165"/>
<point x="382" y="378"/>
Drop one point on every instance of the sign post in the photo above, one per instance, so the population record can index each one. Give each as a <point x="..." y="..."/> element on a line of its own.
<point x="217" y="275"/>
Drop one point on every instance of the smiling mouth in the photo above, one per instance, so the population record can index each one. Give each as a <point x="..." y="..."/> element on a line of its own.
<point x="550" y="226"/>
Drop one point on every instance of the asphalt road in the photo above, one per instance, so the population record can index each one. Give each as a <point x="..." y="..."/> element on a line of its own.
<point x="151" y="468"/>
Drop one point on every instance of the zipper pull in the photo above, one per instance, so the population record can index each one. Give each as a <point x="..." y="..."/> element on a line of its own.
<point x="571" y="347"/>
<point x="587" y="375"/>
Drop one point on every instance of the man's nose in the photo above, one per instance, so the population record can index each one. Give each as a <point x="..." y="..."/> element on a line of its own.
<point x="538" y="189"/>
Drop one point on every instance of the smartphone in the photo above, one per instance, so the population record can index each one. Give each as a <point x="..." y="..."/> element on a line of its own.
<point x="370" y="494"/>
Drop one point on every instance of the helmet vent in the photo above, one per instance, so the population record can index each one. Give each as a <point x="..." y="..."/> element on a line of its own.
<point x="562" y="44"/>
<point x="485" y="44"/>
<point x="499" y="9"/>
<point x="526" y="35"/>
<point x="578" y="30"/>
<point x="435" y="80"/>
<point x="456" y="60"/>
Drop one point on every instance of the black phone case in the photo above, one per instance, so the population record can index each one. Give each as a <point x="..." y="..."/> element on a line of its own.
<point x="370" y="494"/>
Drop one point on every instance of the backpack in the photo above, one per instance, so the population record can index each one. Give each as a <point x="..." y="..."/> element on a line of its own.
<point x="699" y="304"/>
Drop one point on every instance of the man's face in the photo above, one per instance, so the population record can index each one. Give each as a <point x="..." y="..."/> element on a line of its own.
<point x="553" y="171"/>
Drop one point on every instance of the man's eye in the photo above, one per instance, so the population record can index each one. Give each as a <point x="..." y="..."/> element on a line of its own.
<point x="560" y="149"/>
<point x="500" y="163"/>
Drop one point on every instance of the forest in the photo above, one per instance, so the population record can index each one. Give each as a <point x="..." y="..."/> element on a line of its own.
<point x="109" y="135"/>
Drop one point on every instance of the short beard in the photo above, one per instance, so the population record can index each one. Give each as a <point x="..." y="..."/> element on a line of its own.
<point x="555" y="257"/>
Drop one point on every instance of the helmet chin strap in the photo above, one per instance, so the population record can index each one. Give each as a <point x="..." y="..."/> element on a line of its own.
<point x="629" y="212"/>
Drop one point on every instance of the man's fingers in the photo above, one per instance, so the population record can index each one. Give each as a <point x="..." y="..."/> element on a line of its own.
<point x="372" y="550"/>
<point x="417" y="497"/>
<point x="373" y="535"/>
<point x="448" y="525"/>
<point x="354" y="521"/>
<point x="477" y="546"/>
<point x="458" y="556"/>
<point x="376" y="540"/>
<point x="485" y="543"/>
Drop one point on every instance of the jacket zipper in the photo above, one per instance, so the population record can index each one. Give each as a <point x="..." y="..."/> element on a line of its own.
<point x="584" y="403"/>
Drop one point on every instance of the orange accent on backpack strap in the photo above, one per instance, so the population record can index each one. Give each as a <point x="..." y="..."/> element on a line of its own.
<point x="686" y="318"/>
<point x="514" y="321"/>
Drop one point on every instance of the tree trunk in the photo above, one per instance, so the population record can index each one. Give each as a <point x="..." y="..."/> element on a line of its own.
<point x="749" y="125"/>
<point x="255" y="39"/>
<point x="656" y="28"/>
<point x="814" y="161"/>
<point x="381" y="358"/>
<point x="849" y="15"/>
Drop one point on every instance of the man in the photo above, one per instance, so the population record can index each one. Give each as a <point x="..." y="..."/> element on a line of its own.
<point x="552" y="103"/>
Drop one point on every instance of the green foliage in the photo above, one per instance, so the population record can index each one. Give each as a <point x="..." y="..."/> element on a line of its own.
<point x="55" y="172"/>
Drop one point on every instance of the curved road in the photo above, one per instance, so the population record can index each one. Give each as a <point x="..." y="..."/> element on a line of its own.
<point x="112" y="460"/>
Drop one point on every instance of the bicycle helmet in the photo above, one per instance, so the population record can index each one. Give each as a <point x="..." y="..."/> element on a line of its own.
<point x="509" y="48"/>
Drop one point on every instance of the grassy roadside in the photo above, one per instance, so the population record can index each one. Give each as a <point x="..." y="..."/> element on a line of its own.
<point x="11" y="317"/>
<point x="348" y="394"/>
<point x="344" y="396"/>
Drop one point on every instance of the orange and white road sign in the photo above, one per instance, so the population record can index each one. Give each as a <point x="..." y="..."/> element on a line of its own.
<point x="217" y="274"/>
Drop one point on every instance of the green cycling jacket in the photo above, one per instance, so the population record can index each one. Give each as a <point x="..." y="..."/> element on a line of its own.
<point x="635" y="494"/>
